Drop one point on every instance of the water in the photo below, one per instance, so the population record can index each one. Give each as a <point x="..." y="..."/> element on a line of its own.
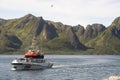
<point x="66" y="67"/>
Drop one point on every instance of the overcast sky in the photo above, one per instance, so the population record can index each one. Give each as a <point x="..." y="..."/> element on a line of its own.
<point x="71" y="12"/>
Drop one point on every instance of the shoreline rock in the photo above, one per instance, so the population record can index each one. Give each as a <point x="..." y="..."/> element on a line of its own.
<point x="113" y="78"/>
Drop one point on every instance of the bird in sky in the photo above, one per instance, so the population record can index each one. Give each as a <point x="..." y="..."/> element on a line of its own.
<point x="51" y="5"/>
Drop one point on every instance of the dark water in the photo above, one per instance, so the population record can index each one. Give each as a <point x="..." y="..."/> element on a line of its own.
<point x="66" y="67"/>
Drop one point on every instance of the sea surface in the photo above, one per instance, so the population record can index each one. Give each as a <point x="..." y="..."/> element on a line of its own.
<point x="66" y="67"/>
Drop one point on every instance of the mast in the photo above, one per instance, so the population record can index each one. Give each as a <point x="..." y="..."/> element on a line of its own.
<point x="34" y="43"/>
<point x="34" y="46"/>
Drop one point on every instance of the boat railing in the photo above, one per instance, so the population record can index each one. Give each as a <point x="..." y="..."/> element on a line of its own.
<point x="30" y="60"/>
<point x="38" y="60"/>
<point x="21" y="60"/>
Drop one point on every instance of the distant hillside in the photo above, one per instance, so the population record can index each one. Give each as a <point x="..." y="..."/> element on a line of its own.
<point x="55" y="37"/>
<point x="109" y="40"/>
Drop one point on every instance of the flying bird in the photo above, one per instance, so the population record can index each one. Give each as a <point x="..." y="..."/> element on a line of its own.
<point x="51" y="5"/>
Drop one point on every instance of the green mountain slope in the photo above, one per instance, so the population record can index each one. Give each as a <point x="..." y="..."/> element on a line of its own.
<point x="50" y="35"/>
<point x="109" y="41"/>
<point x="17" y="35"/>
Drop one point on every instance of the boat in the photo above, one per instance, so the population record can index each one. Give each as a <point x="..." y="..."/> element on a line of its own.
<point x="32" y="60"/>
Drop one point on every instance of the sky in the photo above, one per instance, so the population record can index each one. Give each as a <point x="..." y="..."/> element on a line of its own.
<point x="70" y="12"/>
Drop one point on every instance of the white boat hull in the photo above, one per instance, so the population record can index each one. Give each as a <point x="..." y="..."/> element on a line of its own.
<point x="30" y="66"/>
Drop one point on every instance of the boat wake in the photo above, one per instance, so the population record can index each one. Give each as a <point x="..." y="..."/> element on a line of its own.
<point x="66" y="66"/>
<point x="87" y="63"/>
<point x="60" y="66"/>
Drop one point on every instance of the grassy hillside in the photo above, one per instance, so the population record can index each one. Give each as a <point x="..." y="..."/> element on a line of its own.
<point x="54" y="37"/>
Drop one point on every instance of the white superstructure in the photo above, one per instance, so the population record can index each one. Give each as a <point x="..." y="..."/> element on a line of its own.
<point x="30" y="64"/>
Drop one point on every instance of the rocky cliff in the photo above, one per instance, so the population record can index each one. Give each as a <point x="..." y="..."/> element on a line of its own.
<point x="17" y="34"/>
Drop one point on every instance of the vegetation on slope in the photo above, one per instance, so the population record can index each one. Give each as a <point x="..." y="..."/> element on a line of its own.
<point x="17" y="34"/>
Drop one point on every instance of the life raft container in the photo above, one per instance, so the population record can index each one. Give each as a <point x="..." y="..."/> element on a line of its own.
<point x="33" y="54"/>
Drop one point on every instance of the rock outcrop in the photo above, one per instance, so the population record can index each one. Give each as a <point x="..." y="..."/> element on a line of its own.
<point x="113" y="78"/>
<point x="57" y="36"/>
<point x="93" y="31"/>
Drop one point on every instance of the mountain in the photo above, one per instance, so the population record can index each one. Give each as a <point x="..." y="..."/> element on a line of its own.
<point x="55" y="37"/>
<point x="91" y="32"/>
<point x="51" y="35"/>
<point x="9" y="42"/>
<point x="109" y="41"/>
